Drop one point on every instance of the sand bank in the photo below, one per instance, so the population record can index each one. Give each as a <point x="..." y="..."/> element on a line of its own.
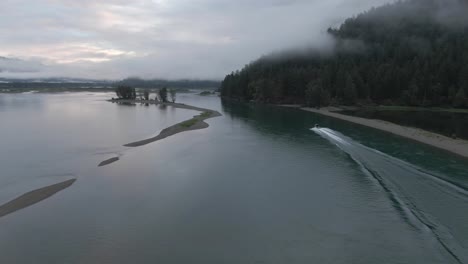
<point x="33" y="197"/>
<point x="109" y="161"/>
<point x="195" y="123"/>
<point x="456" y="146"/>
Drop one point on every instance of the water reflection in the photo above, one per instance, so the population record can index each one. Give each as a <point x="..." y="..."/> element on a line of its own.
<point x="19" y="102"/>
<point x="125" y="103"/>
<point x="421" y="193"/>
<point x="295" y="124"/>
<point x="65" y="133"/>
<point x="255" y="187"/>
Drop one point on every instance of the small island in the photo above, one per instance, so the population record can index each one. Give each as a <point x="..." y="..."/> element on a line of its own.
<point x="128" y="95"/>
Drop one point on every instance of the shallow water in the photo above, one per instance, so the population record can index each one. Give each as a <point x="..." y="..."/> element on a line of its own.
<point x="47" y="138"/>
<point x="257" y="186"/>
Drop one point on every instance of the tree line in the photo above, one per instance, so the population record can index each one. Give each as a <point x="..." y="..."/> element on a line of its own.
<point x="403" y="53"/>
<point x="181" y="84"/>
<point x="124" y="92"/>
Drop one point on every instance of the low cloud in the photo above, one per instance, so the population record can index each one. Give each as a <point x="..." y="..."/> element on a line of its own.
<point x="113" y="39"/>
<point x="17" y="66"/>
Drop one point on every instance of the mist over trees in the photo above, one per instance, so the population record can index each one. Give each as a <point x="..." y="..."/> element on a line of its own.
<point x="411" y="52"/>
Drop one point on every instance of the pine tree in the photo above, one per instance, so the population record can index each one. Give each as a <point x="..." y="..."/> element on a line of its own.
<point x="163" y="94"/>
<point x="314" y="94"/>
<point x="349" y="95"/>
<point x="460" y="98"/>
<point x="409" y="58"/>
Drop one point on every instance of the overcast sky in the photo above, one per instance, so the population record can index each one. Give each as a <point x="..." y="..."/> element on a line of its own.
<point x="113" y="39"/>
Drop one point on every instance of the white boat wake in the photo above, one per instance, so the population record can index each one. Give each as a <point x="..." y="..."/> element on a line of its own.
<point x="426" y="201"/>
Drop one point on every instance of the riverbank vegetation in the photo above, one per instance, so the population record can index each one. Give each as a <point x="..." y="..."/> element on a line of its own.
<point x="417" y="109"/>
<point x="128" y="93"/>
<point x="409" y="53"/>
<point x="163" y="95"/>
<point x="125" y="92"/>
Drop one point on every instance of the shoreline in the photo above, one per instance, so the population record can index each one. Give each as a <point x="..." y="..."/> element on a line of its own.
<point x="195" y="123"/>
<point x="454" y="146"/>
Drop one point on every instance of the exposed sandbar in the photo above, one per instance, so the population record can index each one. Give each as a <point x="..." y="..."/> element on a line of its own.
<point x="109" y="161"/>
<point x="33" y="197"/>
<point x="197" y="122"/>
<point x="456" y="146"/>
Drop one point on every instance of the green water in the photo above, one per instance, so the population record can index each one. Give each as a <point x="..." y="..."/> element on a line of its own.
<point x="444" y="123"/>
<point x="257" y="186"/>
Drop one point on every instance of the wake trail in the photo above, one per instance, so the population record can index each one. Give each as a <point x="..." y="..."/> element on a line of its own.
<point x="426" y="201"/>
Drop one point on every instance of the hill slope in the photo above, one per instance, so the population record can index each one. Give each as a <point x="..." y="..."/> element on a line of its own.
<point x="411" y="52"/>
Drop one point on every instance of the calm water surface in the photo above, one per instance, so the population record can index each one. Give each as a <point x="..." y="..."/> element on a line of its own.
<point x="257" y="186"/>
<point x="48" y="137"/>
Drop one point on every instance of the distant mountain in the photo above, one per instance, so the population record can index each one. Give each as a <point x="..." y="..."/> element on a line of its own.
<point x="159" y="83"/>
<point x="74" y="84"/>
<point x="18" y="65"/>
<point x="411" y="52"/>
<point x="12" y="85"/>
<point x="51" y="80"/>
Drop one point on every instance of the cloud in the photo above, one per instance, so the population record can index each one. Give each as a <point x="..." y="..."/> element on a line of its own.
<point x="11" y="65"/>
<point x="114" y="39"/>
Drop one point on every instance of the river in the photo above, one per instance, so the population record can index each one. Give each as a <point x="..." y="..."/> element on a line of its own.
<point x="260" y="185"/>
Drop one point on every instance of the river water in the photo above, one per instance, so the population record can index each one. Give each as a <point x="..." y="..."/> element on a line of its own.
<point x="260" y="185"/>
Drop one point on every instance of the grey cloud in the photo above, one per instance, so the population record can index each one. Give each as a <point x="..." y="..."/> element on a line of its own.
<point x="12" y="65"/>
<point x="162" y="38"/>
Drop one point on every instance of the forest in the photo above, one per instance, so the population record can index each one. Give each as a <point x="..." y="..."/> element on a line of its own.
<point x="411" y="53"/>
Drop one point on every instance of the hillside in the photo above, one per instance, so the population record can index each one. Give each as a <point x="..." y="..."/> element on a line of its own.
<point x="157" y="83"/>
<point x="71" y="84"/>
<point x="411" y="52"/>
